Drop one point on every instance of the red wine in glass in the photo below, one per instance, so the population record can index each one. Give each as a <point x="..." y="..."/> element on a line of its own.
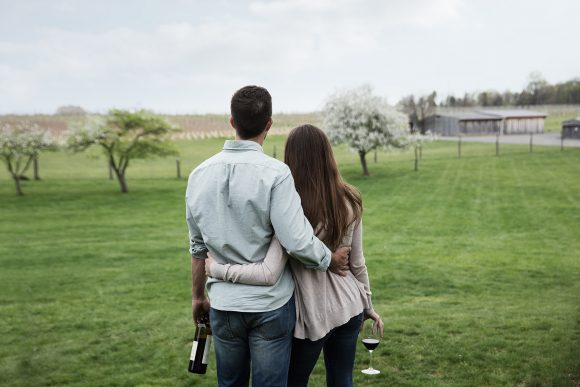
<point x="370" y="344"/>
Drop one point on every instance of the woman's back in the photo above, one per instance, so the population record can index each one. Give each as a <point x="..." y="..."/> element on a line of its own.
<point x="325" y="300"/>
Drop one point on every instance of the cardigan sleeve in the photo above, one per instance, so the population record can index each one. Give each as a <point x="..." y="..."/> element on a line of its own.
<point x="264" y="273"/>
<point x="357" y="262"/>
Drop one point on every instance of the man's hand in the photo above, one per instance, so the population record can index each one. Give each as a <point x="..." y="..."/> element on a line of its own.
<point x="339" y="261"/>
<point x="200" y="309"/>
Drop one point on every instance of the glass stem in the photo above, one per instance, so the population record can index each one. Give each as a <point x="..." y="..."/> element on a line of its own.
<point x="371" y="363"/>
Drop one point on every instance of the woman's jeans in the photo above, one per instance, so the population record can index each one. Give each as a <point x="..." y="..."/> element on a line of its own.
<point x="260" y="340"/>
<point x="339" y="350"/>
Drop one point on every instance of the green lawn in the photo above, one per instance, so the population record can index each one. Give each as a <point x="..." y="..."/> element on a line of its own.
<point x="474" y="264"/>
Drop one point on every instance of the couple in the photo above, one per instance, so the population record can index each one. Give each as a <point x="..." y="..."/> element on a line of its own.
<point x="246" y="221"/>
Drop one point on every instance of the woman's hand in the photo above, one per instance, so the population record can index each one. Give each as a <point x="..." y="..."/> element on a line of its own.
<point x="208" y="262"/>
<point x="378" y="325"/>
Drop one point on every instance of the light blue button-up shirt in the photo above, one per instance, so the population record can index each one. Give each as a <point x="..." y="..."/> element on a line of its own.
<point x="235" y="202"/>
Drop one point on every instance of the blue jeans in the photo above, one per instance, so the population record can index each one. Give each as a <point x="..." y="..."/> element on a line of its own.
<point x="339" y="349"/>
<point x="261" y="341"/>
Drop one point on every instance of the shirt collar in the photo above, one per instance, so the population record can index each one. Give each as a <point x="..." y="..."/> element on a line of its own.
<point x="242" y="145"/>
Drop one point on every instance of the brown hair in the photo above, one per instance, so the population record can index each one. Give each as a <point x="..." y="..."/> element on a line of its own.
<point x="251" y="109"/>
<point x="327" y="200"/>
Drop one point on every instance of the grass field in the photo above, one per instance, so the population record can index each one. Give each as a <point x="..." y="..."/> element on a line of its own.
<point x="474" y="264"/>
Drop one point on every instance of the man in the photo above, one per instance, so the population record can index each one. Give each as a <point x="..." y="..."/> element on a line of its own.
<point x="235" y="202"/>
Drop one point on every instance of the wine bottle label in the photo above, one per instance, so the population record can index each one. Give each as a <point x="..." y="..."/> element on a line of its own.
<point x="205" y="358"/>
<point x="193" y="351"/>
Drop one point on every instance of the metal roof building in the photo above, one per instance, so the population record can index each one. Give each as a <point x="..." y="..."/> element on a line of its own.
<point x="482" y="122"/>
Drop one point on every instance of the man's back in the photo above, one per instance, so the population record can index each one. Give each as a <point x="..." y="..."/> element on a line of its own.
<point x="229" y="201"/>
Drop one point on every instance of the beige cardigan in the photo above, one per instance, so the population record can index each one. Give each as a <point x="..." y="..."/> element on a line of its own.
<point x="324" y="300"/>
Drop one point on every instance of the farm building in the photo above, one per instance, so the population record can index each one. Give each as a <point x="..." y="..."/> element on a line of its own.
<point x="482" y="122"/>
<point x="571" y="129"/>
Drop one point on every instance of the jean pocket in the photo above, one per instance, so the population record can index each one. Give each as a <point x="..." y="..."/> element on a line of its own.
<point x="275" y="324"/>
<point x="220" y="324"/>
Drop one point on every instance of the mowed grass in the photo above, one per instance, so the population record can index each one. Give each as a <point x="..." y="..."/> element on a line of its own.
<point x="474" y="265"/>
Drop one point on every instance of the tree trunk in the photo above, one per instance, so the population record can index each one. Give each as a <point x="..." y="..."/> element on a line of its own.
<point x="416" y="158"/>
<point x="363" y="162"/>
<point x="121" y="178"/>
<point x="18" y="188"/>
<point x="35" y="165"/>
<point x="122" y="182"/>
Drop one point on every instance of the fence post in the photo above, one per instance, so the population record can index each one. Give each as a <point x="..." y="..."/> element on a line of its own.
<point x="459" y="148"/>
<point x="178" y="165"/>
<point x="531" y="142"/>
<point x="497" y="145"/>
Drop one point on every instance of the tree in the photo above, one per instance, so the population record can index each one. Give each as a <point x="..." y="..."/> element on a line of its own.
<point x="416" y="141"/>
<point x="125" y="136"/>
<point x="363" y="121"/>
<point x="20" y="144"/>
<point x="418" y="110"/>
<point x="70" y="110"/>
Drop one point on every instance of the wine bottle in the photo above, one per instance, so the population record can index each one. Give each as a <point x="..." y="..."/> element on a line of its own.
<point x="200" y="349"/>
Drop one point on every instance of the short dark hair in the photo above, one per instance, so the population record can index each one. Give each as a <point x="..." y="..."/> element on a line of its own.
<point x="251" y="109"/>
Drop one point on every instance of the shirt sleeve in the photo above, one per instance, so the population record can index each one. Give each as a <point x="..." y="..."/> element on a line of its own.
<point x="266" y="272"/>
<point x="197" y="247"/>
<point x="357" y="263"/>
<point x="293" y="229"/>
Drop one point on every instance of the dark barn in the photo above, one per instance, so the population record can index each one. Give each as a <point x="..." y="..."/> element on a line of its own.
<point x="571" y="129"/>
<point x="486" y="122"/>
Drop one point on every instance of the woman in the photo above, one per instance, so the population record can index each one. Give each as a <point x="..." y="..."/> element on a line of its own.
<point x="329" y="308"/>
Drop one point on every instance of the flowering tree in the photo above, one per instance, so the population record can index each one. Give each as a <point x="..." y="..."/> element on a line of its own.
<point x="416" y="140"/>
<point x="20" y="145"/>
<point x="125" y="136"/>
<point x="364" y="121"/>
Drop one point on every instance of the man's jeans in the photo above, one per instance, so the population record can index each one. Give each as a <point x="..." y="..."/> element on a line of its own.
<point x="263" y="340"/>
<point x="339" y="350"/>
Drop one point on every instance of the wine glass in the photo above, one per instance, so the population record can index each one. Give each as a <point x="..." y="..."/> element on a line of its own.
<point x="371" y="342"/>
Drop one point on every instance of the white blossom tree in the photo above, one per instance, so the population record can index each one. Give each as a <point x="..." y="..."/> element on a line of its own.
<point x="416" y="140"/>
<point x="364" y="122"/>
<point x="125" y="136"/>
<point x="20" y="145"/>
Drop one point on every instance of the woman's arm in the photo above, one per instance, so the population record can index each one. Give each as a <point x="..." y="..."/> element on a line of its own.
<point x="264" y="273"/>
<point x="357" y="263"/>
<point x="359" y="268"/>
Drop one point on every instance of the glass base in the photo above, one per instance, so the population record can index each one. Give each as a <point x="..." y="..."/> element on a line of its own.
<point x="371" y="371"/>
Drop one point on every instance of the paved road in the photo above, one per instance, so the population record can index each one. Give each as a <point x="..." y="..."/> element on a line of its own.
<point x="549" y="139"/>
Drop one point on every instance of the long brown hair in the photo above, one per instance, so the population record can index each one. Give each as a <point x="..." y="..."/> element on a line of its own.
<point x="327" y="200"/>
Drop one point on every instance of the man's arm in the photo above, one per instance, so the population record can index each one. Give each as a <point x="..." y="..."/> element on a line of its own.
<point x="293" y="229"/>
<point x="197" y="247"/>
<point x="198" y="251"/>
<point x="199" y="302"/>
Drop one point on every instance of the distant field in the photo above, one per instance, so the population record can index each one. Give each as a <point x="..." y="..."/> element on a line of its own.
<point x="217" y="125"/>
<point x="474" y="264"/>
<point x="192" y="126"/>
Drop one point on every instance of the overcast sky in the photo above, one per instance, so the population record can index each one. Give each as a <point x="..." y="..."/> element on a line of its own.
<point x="189" y="56"/>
